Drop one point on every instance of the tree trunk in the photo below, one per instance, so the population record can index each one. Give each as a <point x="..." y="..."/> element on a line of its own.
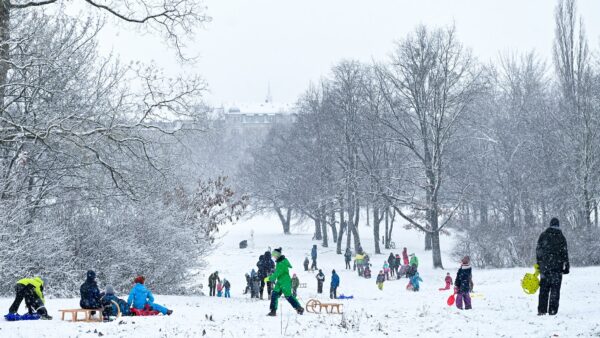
<point x="376" y="228"/>
<point x="386" y="241"/>
<point x="368" y="218"/>
<point x="340" y="236"/>
<point x="4" y="47"/>
<point x="392" y="219"/>
<point x="322" y="216"/>
<point x="333" y="226"/>
<point x="318" y="235"/>
<point x="355" y="234"/>
<point x="284" y="219"/>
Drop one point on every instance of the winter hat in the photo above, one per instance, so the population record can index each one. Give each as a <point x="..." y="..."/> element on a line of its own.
<point x="466" y="260"/>
<point x="110" y="290"/>
<point x="554" y="223"/>
<point x="276" y="253"/>
<point x="294" y="275"/>
<point x="333" y="271"/>
<point x="91" y="274"/>
<point x="139" y="280"/>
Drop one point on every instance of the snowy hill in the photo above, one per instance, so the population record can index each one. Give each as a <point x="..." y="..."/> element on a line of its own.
<point x="501" y="308"/>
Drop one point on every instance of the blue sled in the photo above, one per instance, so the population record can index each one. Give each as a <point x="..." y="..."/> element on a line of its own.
<point x="345" y="297"/>
<point x="13" y="317"/>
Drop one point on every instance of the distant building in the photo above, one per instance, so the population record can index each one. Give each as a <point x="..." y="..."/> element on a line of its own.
<point x="256" y="116"/>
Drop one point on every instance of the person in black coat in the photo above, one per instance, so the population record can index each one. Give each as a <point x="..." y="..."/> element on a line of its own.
<point x="90" y="294"/>
<point x="313" y="255"/>
<point x="266" y="266"/>
<point x="553" y="261"/>
<point x="348" y="258"/>
<point x="392" y="263"/>
<point x="320" y="281"/>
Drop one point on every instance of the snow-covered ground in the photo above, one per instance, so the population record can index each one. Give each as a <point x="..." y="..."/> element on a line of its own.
<point x="501" y="309"/>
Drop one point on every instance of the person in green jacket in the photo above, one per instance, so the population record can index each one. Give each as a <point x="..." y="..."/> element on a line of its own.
<point x="283" y="284"/>
<point x="414" y="261"/>
<point x="32" y="290"/>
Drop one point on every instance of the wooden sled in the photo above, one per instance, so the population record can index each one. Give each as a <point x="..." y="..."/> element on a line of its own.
<point x="315" y="306"/>
<point x="302" y="286"/>
<point x="87" y="314"/>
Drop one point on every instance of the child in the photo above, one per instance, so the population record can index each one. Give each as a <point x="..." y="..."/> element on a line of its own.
<point x="367" y="272"/>
<point x="380" y="279"/>
<point x="110" y="302"/>
<point x="140" y="298"/>
<point x="464" y="284"/>
<point x="227" y="287"/>
<point x="448" y="281"/>
<point x="414" y="281"/>
<point x="386" y="270"/>
<point x="30" y="289"/>
<point x="248" y="283"/>
<point x="295" y="285"/>
<point x="255" y="288"/>
<point x="219" y="289"/>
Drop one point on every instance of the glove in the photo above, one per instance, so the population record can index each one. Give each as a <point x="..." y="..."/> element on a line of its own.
<point x="266" y="279"/>
<point x="566" y="269"/>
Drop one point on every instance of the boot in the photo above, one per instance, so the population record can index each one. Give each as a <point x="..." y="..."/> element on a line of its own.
<point x="300" y="310"/>
<point x="169" y="312"/>
<point x="46" y="317"/>
<point x="273" y="313"/>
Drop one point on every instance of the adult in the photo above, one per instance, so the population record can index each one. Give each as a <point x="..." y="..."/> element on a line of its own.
<point x="90" y="294"/>
<point x="266" y="266"/>
<point x="140" y="298"/>
<point x="335" y="282"/>
<point x="320" y="281"/>
<point x="348" y="258"/>
<point x="32" y="290"/>
<point x="552" y="261"/>
<point x="212" y="283"/>
<point x="405" y="256"/>
<point x="313" y="255"/>
<point x="392" y="264"/>
<point x="283" y="284"/>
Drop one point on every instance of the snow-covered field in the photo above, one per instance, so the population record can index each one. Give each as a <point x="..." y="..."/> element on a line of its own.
<point x="501" y="309"/>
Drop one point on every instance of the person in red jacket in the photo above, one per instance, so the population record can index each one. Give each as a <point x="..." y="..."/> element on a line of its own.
<point x="405" y="256"/>
<point x="448" y="281"/>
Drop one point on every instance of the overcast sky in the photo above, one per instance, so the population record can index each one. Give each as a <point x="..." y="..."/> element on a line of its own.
<point x="253" y="43"/>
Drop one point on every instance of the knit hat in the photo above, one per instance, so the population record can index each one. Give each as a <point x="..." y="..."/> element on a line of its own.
<point x="276" y="253"/>
<point x="554" y="223"/>
<point x="91" y="274"/>
<point x="466" y="260"/>
<point x="139" y="280"/>
<point x="110" y="290"/>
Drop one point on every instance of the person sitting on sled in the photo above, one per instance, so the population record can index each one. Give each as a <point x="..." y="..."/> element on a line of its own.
<point x="140" y="297"/>
<point x="113" y="304"/>
<point x="448" y="281"/>
<point x="90" y="294"/>
<point x="32" y="290"/>
<point x="283" y="284"/>
<point x="367" y="272"/>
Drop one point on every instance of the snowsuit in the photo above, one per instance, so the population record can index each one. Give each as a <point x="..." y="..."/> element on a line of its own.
<point x="448" y="281"/>
<point x="212" y="283"/>
<point x="405" y="256"/>
<point x="90" y="294"/>
<point x="254" y="285"/>
<point x="392" y="264"/>
<point x="367" y="272"/>
<point x="414" y="261"/>
<point x="283" y="284"/>
<point x="139" y="297"/>
<point x="306" y="263"/>
<point x="313" y="255"/>
<point x="30" y="289"/>
<point x="227" y="287"/>
<point x="265" y="268"/>
<point x="397" y="264"/>
<point x="464" y="285"/>
<point x="359" y="262"/>
<point x="295" y="285"/>
<point x="414" y="281"/>
<point x="380" y="280"/>
<point x="110" y="309"/>
<point x="553" y="259"/>
<point x="219" y="289"/>
<point x="248" y="284"/>
<point x="335" y="282"/>
<point x="348" y="258"/>
<point x="386" y="270"/>
<point x="320" y="281"/>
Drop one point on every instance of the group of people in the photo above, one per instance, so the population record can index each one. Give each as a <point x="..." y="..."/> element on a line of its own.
<point x="335" y="283"/>
<point x="218" y="288"/>
<point x="32" y="291"/>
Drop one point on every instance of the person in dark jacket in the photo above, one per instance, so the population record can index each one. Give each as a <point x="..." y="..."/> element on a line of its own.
<point x="113" y="304"/>
<point x="306" y="263"/>
<point x="212" y="283"/>
<point x="313" y="255"/>
<point x="320" y="281"/>
<point x="266" y="266"/>
<point x="397" y="264"/>
<point x="227" y="287"/>
<point x="348" y="258"/>
<point x="553" y="261"/>
<point x="464" y="284"/>
<point x="90" y="294"/>
<point x="392" y="264"/>
<point x="335" y="282"/>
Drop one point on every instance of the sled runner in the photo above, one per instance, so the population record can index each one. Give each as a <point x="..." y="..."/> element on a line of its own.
<point x="315" y="306"/>
<point x="302" y="286"/>
<point x="87" y="315"/>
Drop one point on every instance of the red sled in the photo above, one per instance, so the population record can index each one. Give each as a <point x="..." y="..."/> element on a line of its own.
<point x="147" y="311"/>
<point x="451" y="299"/>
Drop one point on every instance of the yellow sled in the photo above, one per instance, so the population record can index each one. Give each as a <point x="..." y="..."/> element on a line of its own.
<point x="530" y="282"/>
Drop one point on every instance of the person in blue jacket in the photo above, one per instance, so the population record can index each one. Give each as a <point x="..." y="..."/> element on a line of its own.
<point x="111" y="302"/>
<point x="313" y="255"/>
<point x="335" y="282"/>
<point x="415" y="280"/>
<point x="139" y="297"/>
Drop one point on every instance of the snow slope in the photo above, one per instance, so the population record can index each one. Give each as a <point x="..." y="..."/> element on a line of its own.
<point x="503" y="310"/>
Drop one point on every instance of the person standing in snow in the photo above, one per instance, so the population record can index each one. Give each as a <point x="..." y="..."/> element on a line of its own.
<point x="306" y="263"/>
<point x="265" y="267"/>
<point x="212" y="283"/>
<point x="32" y="290"/>
<point x="552" y="257"/>
<point x="140" y="297"/>
<point x="397" y="264"/>
<point x="90" y="293"/>
<point x="464" y="284"/>
<point x="392" y="264"/>
<point x="380" y="279"/>
<point x="335" y="282"/>
<point x="414" y="260"/>
<point x="283" y="284"/>
<point x="254" y="285"/>
<point x="415" y="282"/>
<point x="227" y="287"/>
<point x="348" y="258"/>
<point x="295" y="285"/>
<point x="320" y="281"/>
<point x="313" y="255"/>
<point x="405" y="256"/>
<point x="386" y="270"/>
